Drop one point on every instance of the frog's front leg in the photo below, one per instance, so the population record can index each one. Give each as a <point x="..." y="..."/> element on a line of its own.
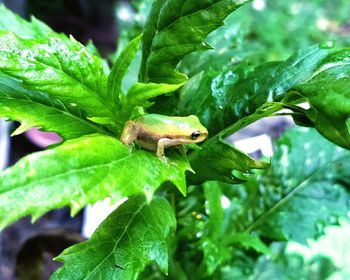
<point x="164" y="143"/>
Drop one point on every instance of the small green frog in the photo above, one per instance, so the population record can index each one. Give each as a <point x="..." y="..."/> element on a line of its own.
<point x="156" y="132"/>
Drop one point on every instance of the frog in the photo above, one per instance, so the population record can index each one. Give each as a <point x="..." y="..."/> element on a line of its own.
<point x="155" y="132"/>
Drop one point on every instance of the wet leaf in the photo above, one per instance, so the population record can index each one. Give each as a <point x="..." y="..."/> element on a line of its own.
<point x="34" y="109"/>
<point x="167" y="38"/>
<point x="22" y="28"/>
<point x="61" y="67"/>
<point x="83" y="171"/>
<point x="131" y="237"/>
<point x="301" y="193"/>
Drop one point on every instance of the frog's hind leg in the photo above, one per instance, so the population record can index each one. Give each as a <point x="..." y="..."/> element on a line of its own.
<point x="129" y="133"/>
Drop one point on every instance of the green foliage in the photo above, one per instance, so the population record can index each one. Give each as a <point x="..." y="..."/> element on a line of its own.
<point x="330" y="106"/>
<point x="121" y="65"/>
<point x="300" y="194"/>
<point x="168" y="38"/>
<point x="24" y="29"/>
<point x="130" y="238"/>
<point x="60" y="67"/>
<point x="236" y="93"/>
<point x="82" y="171"/>
<point x="295" y="199"/>
<point x="38" y="110"/>
<point x="53" y="82"/>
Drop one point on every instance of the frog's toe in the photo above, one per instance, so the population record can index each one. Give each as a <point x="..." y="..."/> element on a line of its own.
<point x="164" y="159"/>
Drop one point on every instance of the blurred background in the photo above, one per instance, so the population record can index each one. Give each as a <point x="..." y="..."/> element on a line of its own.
<point x="265" y="30"/>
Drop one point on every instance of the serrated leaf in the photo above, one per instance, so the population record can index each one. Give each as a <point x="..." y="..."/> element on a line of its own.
<point x="83" y="171"/>
<point x="22" y="28"/>
<point x="304" y="190"/>
<point x="168" y="38"/>
<point x="59" y="66"/>
<point x="218" y="160"/>
<point x="131" y="237"/>
<point x="32" y="109"/>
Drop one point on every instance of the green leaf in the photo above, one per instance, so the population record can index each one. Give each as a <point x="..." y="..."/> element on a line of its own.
<point x="119" y="69"/>
<point x="139" y="94"/>
<point x="83" y="171"/>
<point x="304" y="190"/>
<point x="139" y="97"/>
<point x="131" y="237"/>
<point x="22" y="28"/>
<point x="248" y="241"/>
<point x="168" y="38"/>
<point x="34" y="110"/>
<point x="217" y="241"/>
<point x="317" y="75"/>
<point x="329" y="97"/>
<point x="59" y="66"/>
<point x="214" y="253"/>
<point x="239" y="92"/>
<point x="213" y="194"/>
<point x="230" y="101"/>
<point x="218" y="160"/>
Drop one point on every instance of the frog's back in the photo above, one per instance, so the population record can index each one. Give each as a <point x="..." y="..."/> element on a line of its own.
<point x="161" y="124"/>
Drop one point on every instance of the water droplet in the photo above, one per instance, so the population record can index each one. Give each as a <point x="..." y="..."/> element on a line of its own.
<point x="332" y="219"/>
<point x="73" y="104"/>
<point x="327" y="45"/>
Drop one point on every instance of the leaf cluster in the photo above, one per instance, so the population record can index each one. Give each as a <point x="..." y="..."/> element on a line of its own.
<point x="51" y="81"/>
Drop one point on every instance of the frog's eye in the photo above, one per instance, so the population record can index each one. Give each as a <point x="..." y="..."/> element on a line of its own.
<point x="195" y="135"/>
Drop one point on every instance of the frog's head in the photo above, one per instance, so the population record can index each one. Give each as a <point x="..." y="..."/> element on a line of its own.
<point x="198" y="132"/>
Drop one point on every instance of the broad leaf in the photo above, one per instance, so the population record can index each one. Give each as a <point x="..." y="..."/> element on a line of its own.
<point x="83" y="171"/>
<point x="131" y="237"/>
<point x="24" y="29"/>
<point x="59" y="66"/>
<point x="32" y="109"/>
<point x="231" y="101"/>
<point x="301" y="192"/>
<point x="168" y="38"/>
<point x="328" y="94"/>
<point x="239" y="92"/>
